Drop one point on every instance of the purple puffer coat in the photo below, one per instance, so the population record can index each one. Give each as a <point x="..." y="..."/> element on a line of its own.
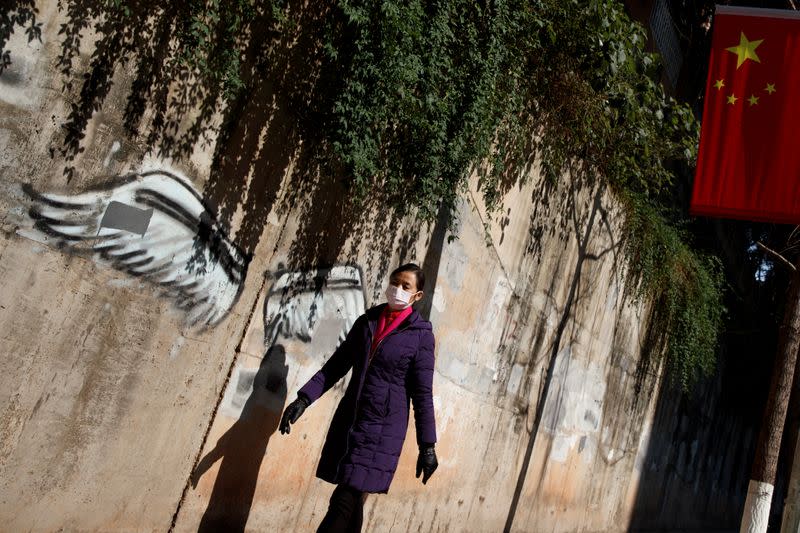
<point x="367" y="431"/>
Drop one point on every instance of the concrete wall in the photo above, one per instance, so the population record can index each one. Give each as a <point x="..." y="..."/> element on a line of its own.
<point x="150" y="351"/>
<point x="498" y="311"/>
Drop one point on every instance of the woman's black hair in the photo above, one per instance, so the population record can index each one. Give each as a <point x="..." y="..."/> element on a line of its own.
<point x="411" y="267"/>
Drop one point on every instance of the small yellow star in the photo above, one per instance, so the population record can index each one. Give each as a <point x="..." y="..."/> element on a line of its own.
<point x="732" y="99"/>
<point x="770" y="88"/>
<point x="745" y="50"/>
<point x="719" y="84"/>
<point x="753" y="99"/>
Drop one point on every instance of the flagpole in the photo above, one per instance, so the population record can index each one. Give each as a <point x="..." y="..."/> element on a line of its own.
<point x="762" y="477"/>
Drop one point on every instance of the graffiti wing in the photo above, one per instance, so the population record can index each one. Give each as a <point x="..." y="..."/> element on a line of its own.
<point x="300" y="303"/>
<point x="153" y="226"/>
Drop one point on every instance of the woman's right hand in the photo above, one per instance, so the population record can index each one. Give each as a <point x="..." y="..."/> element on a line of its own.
<point x="292" y="413"/>
<point x="426" y="462"/>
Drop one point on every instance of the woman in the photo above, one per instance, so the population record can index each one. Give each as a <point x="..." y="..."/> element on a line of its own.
<point x="390" y="349"/>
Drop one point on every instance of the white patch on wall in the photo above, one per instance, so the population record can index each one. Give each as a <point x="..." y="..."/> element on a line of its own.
<point x="444" y="414"/>
<point x="456" y="371"/>
<point x="17" y="85"/>
<point x="154" y="226"/>
<point x="439" y="302"/>
<point x="176" y="347"/>
<point x="239" y="390"/>
<point x="574" y="408"/>
<point x="456" y="266"/>
<point x="496" y="309"/>
<point x="562" y="444"/>
<point x="272" y="218"/>
<point x="514" y="379"/>
<point x="114" y="149"/>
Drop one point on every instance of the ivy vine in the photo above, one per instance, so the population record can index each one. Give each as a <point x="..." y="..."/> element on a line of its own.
<point x="425" y="91"/>
<point x="430" y="89"/>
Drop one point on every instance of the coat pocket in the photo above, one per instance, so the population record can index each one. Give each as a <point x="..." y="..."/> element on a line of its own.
<point x="388" y="403"/>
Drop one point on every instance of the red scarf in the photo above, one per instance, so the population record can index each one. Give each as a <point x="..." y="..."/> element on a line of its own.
<point x="388" y="322"/>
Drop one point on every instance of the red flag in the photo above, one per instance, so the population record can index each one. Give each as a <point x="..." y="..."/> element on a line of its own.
<point x="748" y="166"/>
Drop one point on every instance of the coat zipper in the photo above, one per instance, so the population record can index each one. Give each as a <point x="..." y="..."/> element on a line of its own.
<point x="358" y="398"/>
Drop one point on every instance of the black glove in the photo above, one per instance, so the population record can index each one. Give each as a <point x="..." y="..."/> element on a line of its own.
<point x="293" y="412"/>
<point x="426" y="462"/>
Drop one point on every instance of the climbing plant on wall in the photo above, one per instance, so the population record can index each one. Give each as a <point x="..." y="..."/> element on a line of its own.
<point x="421" y="93"/>
<point x="428" y="89"/>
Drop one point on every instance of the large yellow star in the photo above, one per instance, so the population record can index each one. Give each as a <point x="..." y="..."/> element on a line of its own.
<point x="745" y="50"/>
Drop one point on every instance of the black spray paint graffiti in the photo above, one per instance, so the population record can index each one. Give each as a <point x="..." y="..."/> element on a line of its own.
<point x="315" y="307"/>
<point x="298" y="303"/>
<point x="154" y="226"/>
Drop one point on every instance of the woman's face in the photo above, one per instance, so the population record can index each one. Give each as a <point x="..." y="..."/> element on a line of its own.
<point x="408" y="282"/>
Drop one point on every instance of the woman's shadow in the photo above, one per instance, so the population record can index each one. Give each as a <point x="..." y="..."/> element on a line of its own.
<point x="243" y="446"/>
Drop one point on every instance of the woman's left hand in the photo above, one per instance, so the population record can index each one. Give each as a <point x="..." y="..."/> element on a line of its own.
<point x="426" y="462"/>
<point x="292" y="413"/>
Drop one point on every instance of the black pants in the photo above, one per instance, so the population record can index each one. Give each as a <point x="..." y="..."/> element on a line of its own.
<point x="345" y="512"/>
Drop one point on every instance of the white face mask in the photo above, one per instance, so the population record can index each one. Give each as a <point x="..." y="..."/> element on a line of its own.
<point x="398" y="298"/>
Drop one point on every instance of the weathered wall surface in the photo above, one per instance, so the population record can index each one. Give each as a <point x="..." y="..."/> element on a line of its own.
<point x="497" y="310"/>
<point x="105" y="394"/>
<point x="151" y="342"/>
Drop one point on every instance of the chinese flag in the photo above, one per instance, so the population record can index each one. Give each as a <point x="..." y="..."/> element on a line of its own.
<point x="749" y="161"/>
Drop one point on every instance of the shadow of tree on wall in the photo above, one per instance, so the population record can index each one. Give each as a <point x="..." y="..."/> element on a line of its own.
<point x="243" y="447"/>
<point x="581" y="220"/>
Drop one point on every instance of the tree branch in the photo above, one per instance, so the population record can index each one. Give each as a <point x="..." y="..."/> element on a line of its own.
<point x="776" y="255"/>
